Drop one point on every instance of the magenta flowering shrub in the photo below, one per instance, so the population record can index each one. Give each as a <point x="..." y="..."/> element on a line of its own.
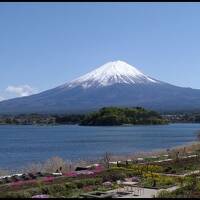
<point x="91" y="173"/>
<point x="22" y="183"/>
<point x="48" y="179"/>
<point x="98" y="169"/>
<point x="71" y="174"/>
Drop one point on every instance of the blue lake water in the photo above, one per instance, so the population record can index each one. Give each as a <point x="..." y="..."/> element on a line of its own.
<point x="20" y="145"/>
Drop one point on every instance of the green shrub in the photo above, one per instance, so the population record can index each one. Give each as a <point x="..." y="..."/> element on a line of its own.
<point x="166" y="181"/>
<point x="17" y="195"/>
<point x="45" y="190"/>
<point x="157" y="181"/>
<point x="70" y="186"/>
<point x="56" y="188"/>
<point x="113" y="176"/>
<point x="119" y="172"/>
<point x="87" y="182"/>
<point x="164" y="194"/>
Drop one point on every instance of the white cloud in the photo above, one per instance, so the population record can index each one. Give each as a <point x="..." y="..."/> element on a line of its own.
<point x="2" y="98"/>
<point x="21" y="91"/>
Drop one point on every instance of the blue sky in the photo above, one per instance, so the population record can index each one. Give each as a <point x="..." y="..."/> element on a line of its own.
<point x="43" y="45"/>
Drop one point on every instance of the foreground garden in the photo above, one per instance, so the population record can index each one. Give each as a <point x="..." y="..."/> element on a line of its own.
<point x="75" y="186"/>
<point x="157" y="173"/>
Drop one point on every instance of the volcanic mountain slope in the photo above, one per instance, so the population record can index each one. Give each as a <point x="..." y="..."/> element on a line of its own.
<point x="113" y="84"/>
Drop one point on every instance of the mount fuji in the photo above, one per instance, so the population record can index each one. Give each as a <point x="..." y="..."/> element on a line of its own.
<point x="113" y="84"/>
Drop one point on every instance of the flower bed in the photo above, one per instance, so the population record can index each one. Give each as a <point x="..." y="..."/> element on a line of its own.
<point x="22" y="183"/>
<point x="48" y="179"/>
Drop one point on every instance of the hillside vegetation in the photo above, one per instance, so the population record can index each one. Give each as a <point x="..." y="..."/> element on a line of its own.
<point x="119" y="116"/>
<point x="105" y="116"/>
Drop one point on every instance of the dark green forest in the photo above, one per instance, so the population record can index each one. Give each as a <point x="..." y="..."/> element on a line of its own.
<point x="120" y="116"/>
<point x="107" y="116"/>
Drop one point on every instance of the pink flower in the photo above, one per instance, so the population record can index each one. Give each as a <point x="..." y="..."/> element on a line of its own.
<point x="21" y="183"/>
<point x="71" y="174"/>
<point x="48" y="179"/>
<point x="98" y="169"/>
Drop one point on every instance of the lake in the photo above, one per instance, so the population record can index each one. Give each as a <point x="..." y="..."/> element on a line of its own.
<point x="20" y="145"/>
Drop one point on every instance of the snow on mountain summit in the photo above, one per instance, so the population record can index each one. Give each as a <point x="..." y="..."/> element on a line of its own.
<point x="112" y="73"/>
<point x="113" y="84"/>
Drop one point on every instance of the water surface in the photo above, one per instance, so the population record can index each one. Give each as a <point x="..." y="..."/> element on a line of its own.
<point x="20" y="145"/>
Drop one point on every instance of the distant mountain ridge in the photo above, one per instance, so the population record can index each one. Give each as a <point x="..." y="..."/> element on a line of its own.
<point x="113" y="84"/>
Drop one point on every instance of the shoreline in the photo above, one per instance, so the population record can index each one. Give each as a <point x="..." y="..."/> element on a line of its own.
<point x="189" y="147"/>
<point x="123" y="125"/>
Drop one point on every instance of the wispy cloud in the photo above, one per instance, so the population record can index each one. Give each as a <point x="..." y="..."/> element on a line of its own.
<point x="2" y="98"/>
<point x="21" y="91"/>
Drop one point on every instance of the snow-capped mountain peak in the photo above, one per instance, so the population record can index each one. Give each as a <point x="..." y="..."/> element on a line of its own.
<point x="111" y="73"/>
<point x="113" y="84"/>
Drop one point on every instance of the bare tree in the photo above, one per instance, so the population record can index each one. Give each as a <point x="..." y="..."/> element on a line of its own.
<point x="198" y="140"/>
<point x="55" y="164"/>
<point x="33" y="168"/>
<point x="107" y="159"/>
<point x="177" y="156"/>
<point x="198" y="135"/>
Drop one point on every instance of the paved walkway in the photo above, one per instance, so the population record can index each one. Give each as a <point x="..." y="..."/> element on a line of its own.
<point x="181" y="175"/>
<point x="148" y="193"/>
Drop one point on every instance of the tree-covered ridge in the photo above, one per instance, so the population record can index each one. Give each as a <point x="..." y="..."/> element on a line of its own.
<point x="119" y="116"/>
<point x="105" y="116"/>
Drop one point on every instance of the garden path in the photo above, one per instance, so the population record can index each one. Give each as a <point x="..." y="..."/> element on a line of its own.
<point x="149" y="193"/>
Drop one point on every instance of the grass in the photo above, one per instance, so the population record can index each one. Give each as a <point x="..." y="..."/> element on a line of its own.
<point x="182" y="166"/>
<point x="190" y="190"/>
<point x="159" y="182"/>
